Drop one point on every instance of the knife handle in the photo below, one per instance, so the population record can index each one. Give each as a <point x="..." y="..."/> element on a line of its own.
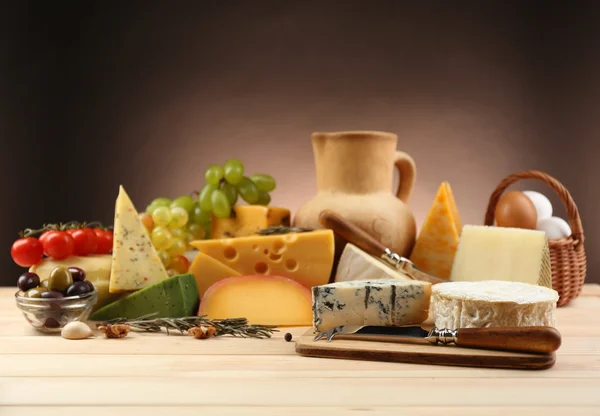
<point x="351" y="232"/>
<point x="533" y="339"/>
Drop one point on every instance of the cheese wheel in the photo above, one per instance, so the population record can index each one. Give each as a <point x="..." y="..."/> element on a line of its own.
<point x="492" y="303"/>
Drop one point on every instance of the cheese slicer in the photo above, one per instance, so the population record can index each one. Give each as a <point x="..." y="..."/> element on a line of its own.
<point x="534" y="339"/>
<point x="365" y="242"/>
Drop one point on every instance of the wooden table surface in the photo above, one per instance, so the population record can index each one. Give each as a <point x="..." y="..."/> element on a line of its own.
<point x="150" y="374"/>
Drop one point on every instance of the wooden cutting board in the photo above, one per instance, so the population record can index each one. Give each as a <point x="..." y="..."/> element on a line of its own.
<point x="420" y="354"/>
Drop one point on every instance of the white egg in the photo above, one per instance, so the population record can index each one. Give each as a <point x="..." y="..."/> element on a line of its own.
<point x="542" y="205"/>
<point x="554" y="227"/>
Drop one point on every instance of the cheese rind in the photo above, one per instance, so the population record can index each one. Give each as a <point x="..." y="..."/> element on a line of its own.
<point x="370" y="303"/>
<point x="97" y="271"/>
<point x="247" y="220"/>
<point x="209" y="271"/>
<point x="500" y="253"/>
<point x="306" y="257"/>
<point x="436" y="245"/>
<point x="135" y="263"/>
<point x="492" y="304"/>
<point x="263" y="300"/>
<point x="355" y="264"/>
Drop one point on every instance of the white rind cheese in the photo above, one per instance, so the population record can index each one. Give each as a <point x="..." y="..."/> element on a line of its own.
<point x="371" y="303"/>
<point x="499" y="253"/>
<point x="355" y="264"/>
<point x="492" y="304"/>
<point x="135" y="262"/>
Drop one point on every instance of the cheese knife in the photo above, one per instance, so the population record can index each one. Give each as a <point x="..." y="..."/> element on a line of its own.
<point x="365" y="242"/>
<point x="535" y="339"/>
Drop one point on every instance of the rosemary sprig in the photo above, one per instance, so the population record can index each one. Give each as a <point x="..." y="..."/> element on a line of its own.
<point x="281" y="229"/>
<point x="235" y="327"/>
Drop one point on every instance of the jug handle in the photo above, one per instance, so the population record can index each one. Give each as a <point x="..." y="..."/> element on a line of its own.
<point x="408" y="172"/>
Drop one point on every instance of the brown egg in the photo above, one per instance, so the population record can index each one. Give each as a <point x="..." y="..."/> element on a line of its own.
<point x="515" y="209"/>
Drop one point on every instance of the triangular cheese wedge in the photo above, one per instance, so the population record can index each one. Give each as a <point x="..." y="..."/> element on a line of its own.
<point x="436" y="245"/>
<point x="135" y="263"/>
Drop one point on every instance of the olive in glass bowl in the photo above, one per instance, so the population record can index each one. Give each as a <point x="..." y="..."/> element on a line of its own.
<point x="51" y="312"/>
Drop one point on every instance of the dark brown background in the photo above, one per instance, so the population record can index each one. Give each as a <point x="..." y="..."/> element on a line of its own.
<point x="147" y="94"/>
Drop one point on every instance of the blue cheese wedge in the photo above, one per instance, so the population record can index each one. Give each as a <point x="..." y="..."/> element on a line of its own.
<point x="135" y="262"/>
<point x="388" y="302"/>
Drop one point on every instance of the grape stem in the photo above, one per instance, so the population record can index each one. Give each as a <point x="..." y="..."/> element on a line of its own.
<point x="30" y="232"/>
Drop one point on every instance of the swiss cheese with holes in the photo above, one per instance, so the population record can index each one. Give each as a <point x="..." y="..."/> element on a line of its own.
<point x="306" y="257"/>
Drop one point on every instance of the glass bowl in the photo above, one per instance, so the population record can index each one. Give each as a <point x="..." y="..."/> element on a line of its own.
<point x="50" y="315"/>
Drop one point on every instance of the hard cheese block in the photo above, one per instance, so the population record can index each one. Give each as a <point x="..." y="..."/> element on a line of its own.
<point x="209" y="271"/>
<point x="247" y="220"/>
<point x="174" y="297"/>
<point x="492" y="304"/>
<point x="306" y="257"/>
<point x="436" y="245"/>
<point x="135" y="263"/>
<point x="96" y="268"/>
<point x="371" y="303"/>
<point x="263" y="300"/>
<point x="355" y="264"/>
<point x="499" y="253"/>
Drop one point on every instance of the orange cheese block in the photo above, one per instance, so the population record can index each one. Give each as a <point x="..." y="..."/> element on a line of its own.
<point x="247" y="220"/>
<point x="306" y="257"/>
<point x="207" y="271"/>
<point x="436" y="245"/>
<point x="263" y="300"/>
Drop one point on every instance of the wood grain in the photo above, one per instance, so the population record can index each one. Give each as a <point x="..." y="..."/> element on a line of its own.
<point x="417" y="353"/>
<point x="152" y="374"/>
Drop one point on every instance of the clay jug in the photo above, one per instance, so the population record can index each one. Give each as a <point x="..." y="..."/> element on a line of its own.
<point x="355" y="171"/>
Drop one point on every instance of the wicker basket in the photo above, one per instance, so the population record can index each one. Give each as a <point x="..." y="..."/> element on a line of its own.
<point x="567" y="255"/>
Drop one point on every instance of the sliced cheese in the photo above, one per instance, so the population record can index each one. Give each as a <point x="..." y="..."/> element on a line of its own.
<point x="96" y="268"/>
<point x="371" y="303"/>
<point x="492" y="304"/>
<point x="499" y="253"/>
<point x="355" y="264"/>
<point x="135" y="263"/>
<point x="247" y="220"/>
<point x="306" y="257"/>
<point x="436" y="245"/>
<point x="208" y="271"/>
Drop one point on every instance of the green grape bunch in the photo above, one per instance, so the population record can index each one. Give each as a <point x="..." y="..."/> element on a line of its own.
<point x="226" y="184"/>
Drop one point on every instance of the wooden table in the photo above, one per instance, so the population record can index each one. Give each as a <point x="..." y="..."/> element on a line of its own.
<point x="150" y="374"/>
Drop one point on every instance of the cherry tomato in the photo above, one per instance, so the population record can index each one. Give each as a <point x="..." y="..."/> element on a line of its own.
<point x="59" y="245"/>
<point x="180" y="263"/>
<point x="105" y="241"/>
<point x="86" y="241"/>
<point x="27" y="251"/>
<point x="43" y="236"/>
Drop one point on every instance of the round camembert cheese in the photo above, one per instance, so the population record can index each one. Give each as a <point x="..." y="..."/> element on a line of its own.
<point x="492" y="304"/>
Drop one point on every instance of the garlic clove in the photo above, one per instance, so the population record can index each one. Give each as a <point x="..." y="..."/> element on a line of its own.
<point x="76" y="330"/>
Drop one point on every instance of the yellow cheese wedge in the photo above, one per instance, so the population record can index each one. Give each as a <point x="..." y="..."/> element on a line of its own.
<point x="207" y="271"/>
<point x="263" y="300"/>
<point x="247" y="220"/>
<point x="135" y="263"/>
<point x="96" y="268"/>
<point x="436" y="245"/>
<point x="306" y="257"/>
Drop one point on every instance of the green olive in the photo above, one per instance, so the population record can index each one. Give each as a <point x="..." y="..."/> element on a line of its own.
<point x="45" y="284"/>
<point x="36" y="292"/>
<point x="60" y="279"/>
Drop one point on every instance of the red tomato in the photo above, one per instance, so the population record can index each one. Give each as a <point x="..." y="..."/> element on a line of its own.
<point x="180" y="263"/>
<point x="105" y="241"/>
<point x="59" y="245"/>
<point x="43" y="236"/>
<point x="86" y="241"/>
<point x="27" y="251"/>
